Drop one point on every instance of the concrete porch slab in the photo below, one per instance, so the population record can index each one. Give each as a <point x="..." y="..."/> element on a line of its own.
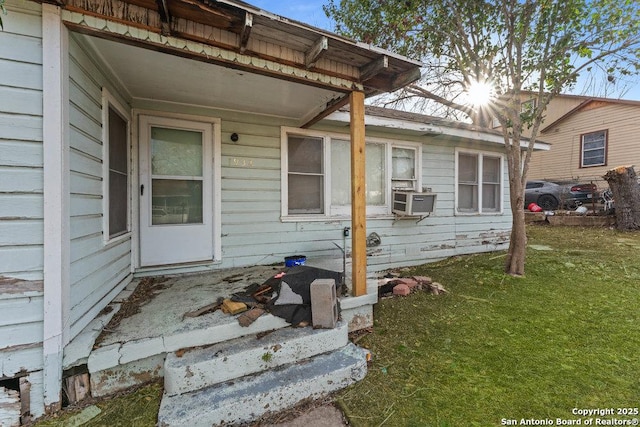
<point x="159" y="327"/>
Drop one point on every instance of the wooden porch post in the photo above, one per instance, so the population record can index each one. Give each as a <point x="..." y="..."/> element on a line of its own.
<point x="56" y="202"/>
<point x="358" y="201"/>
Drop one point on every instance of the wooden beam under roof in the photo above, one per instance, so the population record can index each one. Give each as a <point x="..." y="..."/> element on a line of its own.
<point x="373" y="68"/>
<point x="165" y="17"/>
<point x="332" y="106"/>
<point x="316" y="51"/>
<point x="405" y="78"/>
<point x="246" y="31"/>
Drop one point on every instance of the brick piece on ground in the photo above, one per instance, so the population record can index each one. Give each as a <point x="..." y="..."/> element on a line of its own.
<point x="401" y="289"/>
<point x="423" y="280"/>
<point x="412" y="284"/>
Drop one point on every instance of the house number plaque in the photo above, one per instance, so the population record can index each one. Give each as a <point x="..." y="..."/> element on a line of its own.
<point x="241" y="162"/>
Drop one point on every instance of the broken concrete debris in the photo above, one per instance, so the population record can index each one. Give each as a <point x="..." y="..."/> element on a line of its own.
<point x="393" y="284"/>
<point x="286" y="294"/>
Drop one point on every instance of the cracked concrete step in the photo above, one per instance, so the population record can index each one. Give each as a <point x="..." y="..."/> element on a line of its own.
<point x="204" y="367"/>
<point x="116" y="367"/>
<point x="251" y="397"/>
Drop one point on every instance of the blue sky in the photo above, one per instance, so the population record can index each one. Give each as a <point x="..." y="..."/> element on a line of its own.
<point x="310" y="12"/>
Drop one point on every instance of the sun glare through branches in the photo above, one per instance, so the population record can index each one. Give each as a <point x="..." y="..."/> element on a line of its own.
<point x="479" y="93"/>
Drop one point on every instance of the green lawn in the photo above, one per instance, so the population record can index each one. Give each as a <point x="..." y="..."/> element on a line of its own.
<point x="566" y="336"/>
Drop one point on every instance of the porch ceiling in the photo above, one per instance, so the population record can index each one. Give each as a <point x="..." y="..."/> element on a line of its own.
<point x="229" y="54"/>
<point x="149" y="74"/>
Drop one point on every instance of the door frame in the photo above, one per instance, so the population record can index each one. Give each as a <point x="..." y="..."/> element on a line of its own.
<point x="135" y="185"/>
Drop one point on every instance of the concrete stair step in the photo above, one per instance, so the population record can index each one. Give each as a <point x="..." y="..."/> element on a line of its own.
<point x="204" y="367"/>
<point x="249" y="398"/>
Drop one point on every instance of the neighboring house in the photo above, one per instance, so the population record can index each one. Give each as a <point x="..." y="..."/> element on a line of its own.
<point x="588" y="136"/>
<point x="144" y="138"/>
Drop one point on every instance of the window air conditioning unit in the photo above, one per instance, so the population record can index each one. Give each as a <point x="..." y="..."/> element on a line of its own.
<point x="411" y="203"/>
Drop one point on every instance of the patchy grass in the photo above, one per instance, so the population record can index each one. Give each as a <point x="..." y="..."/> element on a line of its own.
<point x="136" y="409"/>
<point x="495" y="347"/>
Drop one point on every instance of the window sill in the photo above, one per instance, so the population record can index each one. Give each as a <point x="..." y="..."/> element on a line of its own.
<point x="114" y="241"/>
<point x="592" y="166"/>
<point x="479" y="214"/>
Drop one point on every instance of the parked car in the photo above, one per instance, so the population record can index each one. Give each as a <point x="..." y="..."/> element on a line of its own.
<point x="550" y="195"/>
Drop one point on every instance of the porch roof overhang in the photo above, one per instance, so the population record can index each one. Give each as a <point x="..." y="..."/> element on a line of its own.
<point x="312" y="70"/>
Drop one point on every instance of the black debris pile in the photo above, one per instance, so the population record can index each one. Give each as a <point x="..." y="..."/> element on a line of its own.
<point x="288" y="293"/>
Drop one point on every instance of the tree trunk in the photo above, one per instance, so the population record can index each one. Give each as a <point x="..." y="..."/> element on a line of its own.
<point x="626" y="194"/>
<point x="514" y="263"/>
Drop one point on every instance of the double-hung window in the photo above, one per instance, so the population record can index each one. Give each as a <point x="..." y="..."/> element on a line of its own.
<point x="478" y="182"/>
<point x="593" y="149"/>
<point x="306" y="177"/>
<point x="318" y="174"/>
<point x="116" y="124"/>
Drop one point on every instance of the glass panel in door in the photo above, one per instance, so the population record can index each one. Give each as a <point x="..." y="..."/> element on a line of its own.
<point x="176" y="176"/>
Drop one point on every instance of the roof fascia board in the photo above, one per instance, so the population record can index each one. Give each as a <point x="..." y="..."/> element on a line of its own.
<point x="431" y="130"/>
<point x="333" y="36"/>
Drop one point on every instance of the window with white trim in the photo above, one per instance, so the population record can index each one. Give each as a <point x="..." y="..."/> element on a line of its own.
<point x="305" y="156"/>
<point x="593" y="149"/>
<point x="479" y="182"/>
<point x="318" y="173"/>
<point x="116" y="124"/>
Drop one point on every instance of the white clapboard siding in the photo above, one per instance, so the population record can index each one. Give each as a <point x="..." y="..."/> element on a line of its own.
<point x="14" y="360"/>
<point x="23" y="206"/>
<point x="19" y="127"/>
<point x="21" y="232"/>
<point x="98" y="269"/>
<point x="21" y="178"/>
<point x="86" y="185"/>
<point x="21" y="334"/>
<point x="28" y="310"/>
<point x="21" y="74"/>
<point x="24" y="262"/>
<point x="21" y="153"/>
<point x="18" y="100"/>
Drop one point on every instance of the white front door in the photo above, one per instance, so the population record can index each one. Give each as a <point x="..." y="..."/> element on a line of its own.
<point x="176" y="196"/>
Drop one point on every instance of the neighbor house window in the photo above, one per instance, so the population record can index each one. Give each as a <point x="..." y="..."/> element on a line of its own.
<point x="116" y="162"/>
<point x="528" y="106"/>
<point x="594" y="149"/>
<point x="312" y="191"/>
<point x="479" y="183"/>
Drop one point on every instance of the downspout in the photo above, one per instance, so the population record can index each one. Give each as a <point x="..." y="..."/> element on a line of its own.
<point x="56" y="262"/>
